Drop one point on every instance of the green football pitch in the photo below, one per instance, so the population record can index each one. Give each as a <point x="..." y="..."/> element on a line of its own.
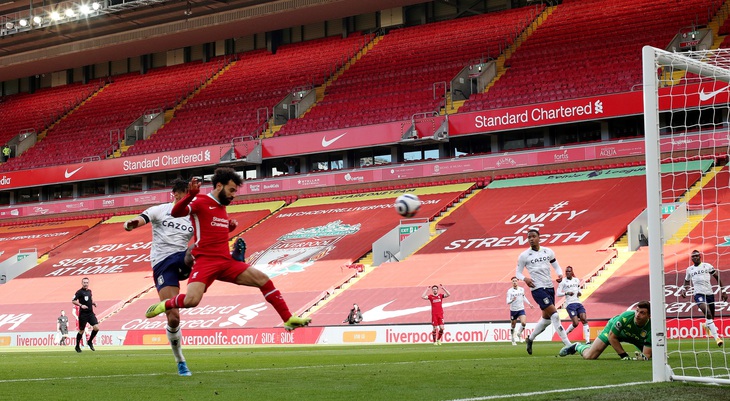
<point x="373" y="372"/>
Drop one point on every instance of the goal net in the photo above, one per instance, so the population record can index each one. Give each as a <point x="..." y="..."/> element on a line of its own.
<point x="688" y="208"/>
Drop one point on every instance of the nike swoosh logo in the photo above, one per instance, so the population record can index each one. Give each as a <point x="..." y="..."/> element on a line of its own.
<point x="707" y="96"/>
<point x="326" y="143"/>
<point x="211" y="207"/>
<point x="379" y="312"/>
<point x="68" y="175"/>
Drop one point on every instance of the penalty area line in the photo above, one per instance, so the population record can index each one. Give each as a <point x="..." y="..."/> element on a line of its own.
<point x="562" y="390"/>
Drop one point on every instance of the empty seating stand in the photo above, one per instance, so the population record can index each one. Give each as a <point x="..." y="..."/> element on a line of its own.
<point x="395" y="78"/>
<point x="88" y="130"/>
<point x="36" y="111"/>
<point x="230" y="106"/>
<point x="587" y="48"/>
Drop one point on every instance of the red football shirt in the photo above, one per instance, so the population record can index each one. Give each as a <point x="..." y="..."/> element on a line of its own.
<point x="437" y="308"/>
<point x="210" y="224"/>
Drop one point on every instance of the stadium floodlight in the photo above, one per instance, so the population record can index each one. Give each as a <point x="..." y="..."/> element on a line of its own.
<point x="686" y="107"/>
<point x="9" y="25"/>
<point x="65" y="11"/>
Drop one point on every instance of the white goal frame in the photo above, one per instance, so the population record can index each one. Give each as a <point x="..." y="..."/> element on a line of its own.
<point x="652" y="59"/>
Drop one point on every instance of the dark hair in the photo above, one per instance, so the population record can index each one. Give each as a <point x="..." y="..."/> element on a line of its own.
<point x="568" y="267"/>
<point x="224" y="175"/>
<point x="179" y="185"/>
<point x="434" y="286"/>
<point x="696" y="252"/>
<point x="513" y="278"/>
<point x="533" y="230"/>
<point x="644" y="305"/>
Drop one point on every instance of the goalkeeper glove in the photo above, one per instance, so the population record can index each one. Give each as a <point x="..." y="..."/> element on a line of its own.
<point x="639" y="356"/>
<point x="624" y="356"/>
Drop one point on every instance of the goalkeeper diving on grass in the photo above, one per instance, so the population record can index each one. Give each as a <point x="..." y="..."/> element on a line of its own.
<point x="633" y="327"/>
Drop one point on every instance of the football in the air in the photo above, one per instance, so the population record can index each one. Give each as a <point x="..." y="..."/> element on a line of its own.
<point x="407" y="205"/>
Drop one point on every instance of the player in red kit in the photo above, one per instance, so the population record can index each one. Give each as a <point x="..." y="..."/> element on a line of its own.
<point x="213" y="260"/>
<point x="437" y="311"/>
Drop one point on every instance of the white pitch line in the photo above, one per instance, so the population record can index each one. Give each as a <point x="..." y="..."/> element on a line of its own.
<point x="562" y="390"/>
<point x="44" y="379"/>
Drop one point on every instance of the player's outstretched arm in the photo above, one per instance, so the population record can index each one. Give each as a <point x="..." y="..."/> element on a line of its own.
<point x="556" y="266"/>
<point x="561" y="290"/>
<point x="136" y="222"/>
<point x="425" y="293"/>
<point x="723" y="294"/>
<point x="685" y="288"/>
<point x="446" y="292"/>
<point x="180" y="209"/>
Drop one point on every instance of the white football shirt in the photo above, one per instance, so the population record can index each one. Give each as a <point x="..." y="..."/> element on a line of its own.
<point x="516" y="299"/>
<point x="169" y="234"/>
<point x="572" y="285"/>
<point x="700" y="277"/>
<point x="538" y="265"/>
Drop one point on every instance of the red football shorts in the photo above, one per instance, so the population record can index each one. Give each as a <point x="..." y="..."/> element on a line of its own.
<point x="437" y="320"/>
<point x="208" y="269"/>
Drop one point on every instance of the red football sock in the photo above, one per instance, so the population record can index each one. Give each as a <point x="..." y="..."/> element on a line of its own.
<point x="177" y="302"/>
<point x="441" y="333"/>
<point x="273" y="296"/>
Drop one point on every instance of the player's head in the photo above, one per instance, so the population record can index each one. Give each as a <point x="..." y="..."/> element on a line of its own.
<point x="225" y="184"/>
<point x="696" y="257"/>
<point x="354" y="306"/>
<point x="514" y="282"/>
<point x="63" y="312"/>
<point x="85" y="282"/>
<point x="569" y="272"/>
<point x="533" y="237"/>
<point x="643" y="313"/>
<point x="435" y="289"/>
<point x="179" y="188"/>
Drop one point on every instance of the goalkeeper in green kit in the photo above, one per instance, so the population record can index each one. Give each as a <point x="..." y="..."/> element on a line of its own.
<point x="633" y="327"/>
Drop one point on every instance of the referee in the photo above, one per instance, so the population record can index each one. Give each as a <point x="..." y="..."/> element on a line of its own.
<point x="86" y="305"/>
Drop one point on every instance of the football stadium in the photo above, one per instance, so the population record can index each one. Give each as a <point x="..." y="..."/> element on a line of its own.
<point x="364" y="199"/>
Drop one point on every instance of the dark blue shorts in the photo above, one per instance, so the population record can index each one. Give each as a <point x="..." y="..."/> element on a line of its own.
<point x="545" y="297"/>
<point x="166" y="272"/>
<point x="515" y="314"/>
<point x="575" y="309"/>
<point x="706" y="299"/>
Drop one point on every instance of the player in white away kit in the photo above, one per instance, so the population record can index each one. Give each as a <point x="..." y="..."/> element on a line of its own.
<point x="171" y="260"/>
<point x="570" y="289"/>
<point x="699" y="273"/>
<point x="537" y="260"/>
<point x="516" y="300"/>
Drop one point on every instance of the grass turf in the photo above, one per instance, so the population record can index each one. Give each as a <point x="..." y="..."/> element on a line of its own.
<point x="384" y="372"/>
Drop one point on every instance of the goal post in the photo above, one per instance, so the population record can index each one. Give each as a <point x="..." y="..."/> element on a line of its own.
<point x="685" y="118"/>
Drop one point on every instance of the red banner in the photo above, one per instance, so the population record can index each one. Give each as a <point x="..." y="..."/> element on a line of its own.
<point x="348" y="138"/>
<point x="179" y="159"/>
<point x="536" y="115"/>
<point x="272" y="336"/>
